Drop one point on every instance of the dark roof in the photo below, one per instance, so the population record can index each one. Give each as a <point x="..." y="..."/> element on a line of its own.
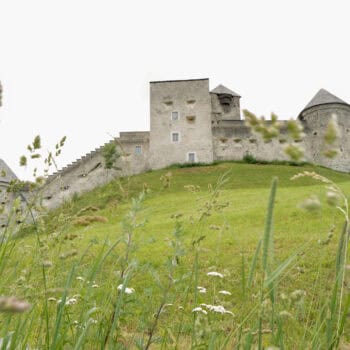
<point x="176" y="81"/>
<point x="9" y="174"/>
<point x="221" y="89"/>
<point x="323" y="97"/>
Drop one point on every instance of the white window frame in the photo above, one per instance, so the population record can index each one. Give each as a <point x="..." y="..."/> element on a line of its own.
<point x="171" y="116"/>
<point x="138" y="147"/>
<point x="178" y="138"/>
<point x="188" y="157"/>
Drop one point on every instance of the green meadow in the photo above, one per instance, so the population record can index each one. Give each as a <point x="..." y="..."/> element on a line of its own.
<point x="126" y="265"/>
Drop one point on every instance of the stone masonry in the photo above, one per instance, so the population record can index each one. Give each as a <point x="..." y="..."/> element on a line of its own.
<point x="190" y="124"/>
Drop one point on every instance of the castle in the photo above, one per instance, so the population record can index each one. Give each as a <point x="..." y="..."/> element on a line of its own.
<point x="190" y="123"/>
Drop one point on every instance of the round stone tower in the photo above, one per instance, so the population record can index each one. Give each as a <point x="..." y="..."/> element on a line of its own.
<point x="315" y="118"/>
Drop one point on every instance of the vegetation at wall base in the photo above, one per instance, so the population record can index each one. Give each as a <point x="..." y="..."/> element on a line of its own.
<point x="207" y="256"/>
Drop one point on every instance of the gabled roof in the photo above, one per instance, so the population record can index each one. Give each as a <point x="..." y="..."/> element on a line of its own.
<point x="221" y="89"/>
<point x="323" y="97"/>
<point x="6" y="174"/>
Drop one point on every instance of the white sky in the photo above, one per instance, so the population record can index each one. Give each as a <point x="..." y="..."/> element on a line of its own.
<point x="81" y="68"/>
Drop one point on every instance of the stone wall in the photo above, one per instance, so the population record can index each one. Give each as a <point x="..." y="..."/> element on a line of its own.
<point x="233" y="140"/>
<point x="206" y="129"/>
<point x="89" y="171"/>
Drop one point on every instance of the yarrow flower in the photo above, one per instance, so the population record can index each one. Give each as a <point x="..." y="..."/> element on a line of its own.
<point x="127" y="290"/>
<point x="218" y="309"/>
<point x="199" y="309"/>
<point x="95" y="286"/>
<point x="224" y="292"/>
<point x="214" y="273"/>
<point x="69" y="301"/>
<point x="79" y="278"/>
<point x="201" y="290"/>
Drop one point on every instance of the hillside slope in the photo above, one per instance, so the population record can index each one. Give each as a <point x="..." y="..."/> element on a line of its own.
<point x="190" y="221"/>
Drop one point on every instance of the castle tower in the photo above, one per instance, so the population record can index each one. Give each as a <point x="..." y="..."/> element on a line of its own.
<point x="225" y="104"/>
<point x="315" y="118"/>
<point x="180" y="122"/>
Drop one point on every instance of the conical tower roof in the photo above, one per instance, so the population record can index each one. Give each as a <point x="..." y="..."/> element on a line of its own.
<point x="221" y="89"/>
<point x="6" y="174"/>
<point x="323" y="97"/>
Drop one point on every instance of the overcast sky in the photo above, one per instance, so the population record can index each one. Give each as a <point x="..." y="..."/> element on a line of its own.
<point x="81" y="68"/>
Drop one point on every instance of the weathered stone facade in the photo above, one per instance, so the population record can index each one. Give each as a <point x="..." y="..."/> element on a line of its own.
<point x="190" y="123"/>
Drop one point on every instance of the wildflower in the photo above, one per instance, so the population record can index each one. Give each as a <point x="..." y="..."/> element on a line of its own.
<point x="93" y="321"/>
<point x="224" y="292"/>
<point x="218" y="309"/>
<point x="69" y="301"/>
<point x="127" y="290"/>
<point x="180" y="307"/>
<point x="14" y="305"/>
<point x="199" y="309"/>
<point x="214" y="273"/>
<point x="79" y="278"/>
<point x="51" y="299"/>
<point x="95" y="286"/>
<point x="201" y="290"/>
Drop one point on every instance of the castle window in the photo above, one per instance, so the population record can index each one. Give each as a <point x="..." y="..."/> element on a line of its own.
<point x="138" y="150"/>
<point x="174" y="115"/>
<point x="191" y="157"/>
<point x="175" y="137"/>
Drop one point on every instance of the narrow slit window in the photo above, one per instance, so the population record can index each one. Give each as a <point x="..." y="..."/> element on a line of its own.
<point x="175" y="137"/>
<point x="138" y="150"/>
<point x="175" y="115"/>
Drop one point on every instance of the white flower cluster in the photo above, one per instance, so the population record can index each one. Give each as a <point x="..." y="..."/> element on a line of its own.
<point x="69" y="301"/>
<point x="127" y="290"/>
<point x="216" y="274"/>
<point x="224" y="292"/>
<point x="202" y="290"/>
<point x="217" y="308"/>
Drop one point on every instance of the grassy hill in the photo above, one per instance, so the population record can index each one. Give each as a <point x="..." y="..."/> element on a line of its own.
<point x="160" y="233"/>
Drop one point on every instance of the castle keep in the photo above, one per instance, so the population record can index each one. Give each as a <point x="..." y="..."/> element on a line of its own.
<point x="190" y="123"/>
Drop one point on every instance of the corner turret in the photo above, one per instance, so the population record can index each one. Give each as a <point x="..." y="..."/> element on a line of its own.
<point x="225" y="104"/>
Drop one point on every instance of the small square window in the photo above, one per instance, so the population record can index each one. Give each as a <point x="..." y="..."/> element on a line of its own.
<point x="191" y="157"/>
<point x="138" y="149"/>
<point x="174" y="115"/>
<point x="175" y="137"/>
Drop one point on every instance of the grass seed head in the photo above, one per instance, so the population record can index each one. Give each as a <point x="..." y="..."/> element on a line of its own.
<point x="13" y="305"/>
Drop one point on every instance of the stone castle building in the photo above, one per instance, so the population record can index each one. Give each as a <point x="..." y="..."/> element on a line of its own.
<point x="190" y="123"/>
